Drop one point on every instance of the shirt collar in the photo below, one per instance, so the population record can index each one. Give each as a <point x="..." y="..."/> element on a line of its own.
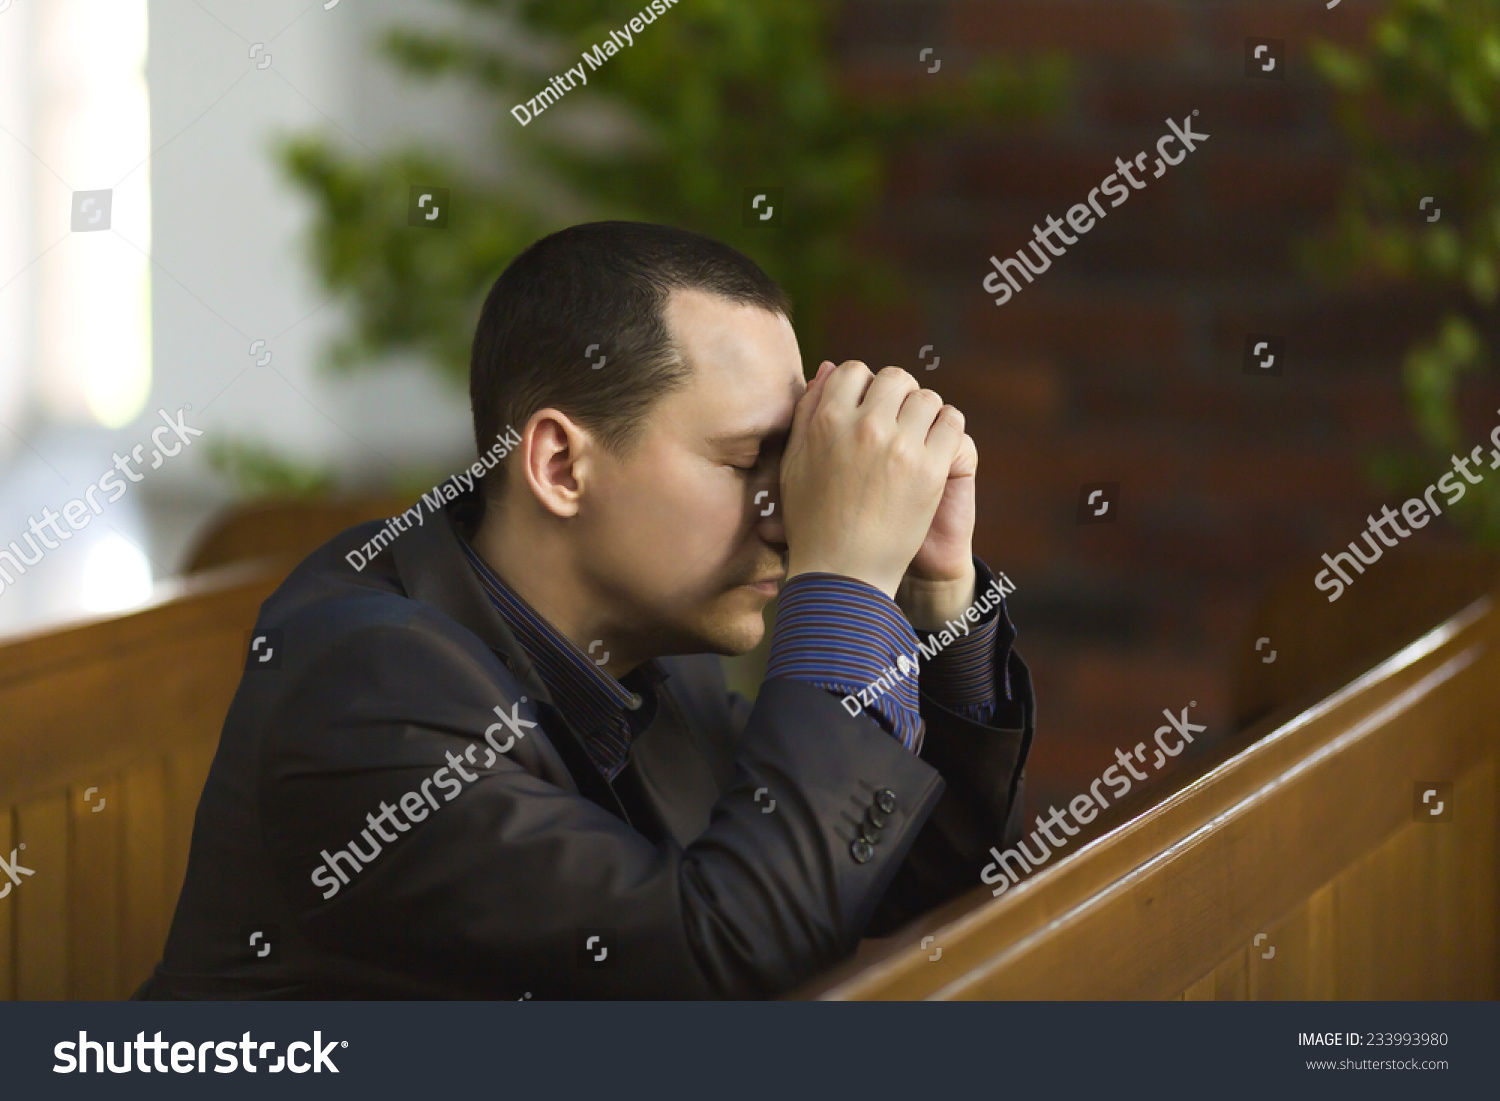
<point x="603" y="710"/>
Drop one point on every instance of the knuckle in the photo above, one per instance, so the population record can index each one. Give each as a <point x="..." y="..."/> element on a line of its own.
<point x="902" y="454"/>
<point x="869" y="431"/>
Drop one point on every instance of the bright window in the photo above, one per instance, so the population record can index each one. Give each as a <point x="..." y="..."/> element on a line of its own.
<point x="92" y="127"/>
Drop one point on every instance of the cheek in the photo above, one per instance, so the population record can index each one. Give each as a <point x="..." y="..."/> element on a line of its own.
<point x="680" y="522"/>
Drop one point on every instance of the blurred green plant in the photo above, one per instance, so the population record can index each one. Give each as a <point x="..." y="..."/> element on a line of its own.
<point x="715" y="96"/>
<point x="1421" y="106"/>
<point x="257" y="470"/>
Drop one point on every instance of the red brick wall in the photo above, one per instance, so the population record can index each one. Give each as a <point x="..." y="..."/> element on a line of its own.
<point x="1122" y="362"/>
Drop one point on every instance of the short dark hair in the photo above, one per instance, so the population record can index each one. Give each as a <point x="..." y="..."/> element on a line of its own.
<point x="603" y="283"/>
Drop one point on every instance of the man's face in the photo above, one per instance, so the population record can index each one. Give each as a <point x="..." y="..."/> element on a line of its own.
<point x="675" y="528"/>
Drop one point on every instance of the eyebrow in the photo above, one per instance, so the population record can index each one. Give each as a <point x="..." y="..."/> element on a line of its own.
<point x="750" y="435"/>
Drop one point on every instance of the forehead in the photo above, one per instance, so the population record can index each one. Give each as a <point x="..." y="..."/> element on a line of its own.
<point x="747" y="371"/>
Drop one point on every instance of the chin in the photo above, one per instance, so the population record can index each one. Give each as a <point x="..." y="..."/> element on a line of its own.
<point x="733" y="633"/>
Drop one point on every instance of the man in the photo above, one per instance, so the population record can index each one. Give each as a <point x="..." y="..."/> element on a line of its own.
<point x="495" y="755"/>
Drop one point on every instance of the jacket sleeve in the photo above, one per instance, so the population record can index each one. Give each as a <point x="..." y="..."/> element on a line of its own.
<point x="489" y="873"/>
<point x="984" y="768"/>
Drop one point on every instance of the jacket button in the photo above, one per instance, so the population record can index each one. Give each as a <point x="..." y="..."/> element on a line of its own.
<point x="869" y="832"/>
<point x="875" y="817"/>
<point x="861" y="850"/>
<point x="885" y="799"/>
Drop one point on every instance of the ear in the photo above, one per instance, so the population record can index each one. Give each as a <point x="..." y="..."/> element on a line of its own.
<point x="556" y="458"/>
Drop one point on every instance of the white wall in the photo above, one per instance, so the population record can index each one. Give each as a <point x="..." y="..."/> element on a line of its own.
<point x="228" y="247"/>
<point x="17" y="225"/>
<point x="230" y="232"/>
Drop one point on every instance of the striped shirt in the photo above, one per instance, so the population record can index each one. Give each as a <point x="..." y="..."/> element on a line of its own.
<point x="606" y="713"/>
<point x="831" y="631"/>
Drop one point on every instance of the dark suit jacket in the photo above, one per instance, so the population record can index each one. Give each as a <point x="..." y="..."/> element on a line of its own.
<point x="693" y="886"/>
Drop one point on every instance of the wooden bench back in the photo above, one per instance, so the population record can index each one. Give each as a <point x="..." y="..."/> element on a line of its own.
<point x="1299" y="865"/>
<point x="107" y="731"/>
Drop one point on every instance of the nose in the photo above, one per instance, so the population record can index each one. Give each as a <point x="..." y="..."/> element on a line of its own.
<point x="765" y="513"/>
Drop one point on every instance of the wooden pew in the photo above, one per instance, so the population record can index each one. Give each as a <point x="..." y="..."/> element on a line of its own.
<point x="285" y="530"/>
<point x="107" y="734"/>
<point x="1302" y="829"/>
<point x="108" y="731"/>
<point x="1305" y="830"/>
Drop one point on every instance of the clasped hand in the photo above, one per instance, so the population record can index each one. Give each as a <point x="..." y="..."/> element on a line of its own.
<point x="878" y="484"/>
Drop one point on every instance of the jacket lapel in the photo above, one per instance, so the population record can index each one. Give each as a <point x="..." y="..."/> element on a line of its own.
<point x="433" y="570"/>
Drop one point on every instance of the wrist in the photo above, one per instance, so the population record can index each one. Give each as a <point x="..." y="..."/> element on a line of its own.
<point x="888" y="586"/>
<point x="928" y="603"/>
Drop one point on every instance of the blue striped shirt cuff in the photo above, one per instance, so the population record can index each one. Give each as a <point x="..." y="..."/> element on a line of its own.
<point x="847" y="637"/>
<point x="850" y="639"/>
<point x="962" y="677"/>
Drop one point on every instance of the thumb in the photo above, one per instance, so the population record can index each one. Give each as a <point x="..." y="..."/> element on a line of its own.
<point x="966" y="461"/>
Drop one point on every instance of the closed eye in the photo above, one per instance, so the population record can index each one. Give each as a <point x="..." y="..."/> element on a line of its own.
<point x="767" y="459"/>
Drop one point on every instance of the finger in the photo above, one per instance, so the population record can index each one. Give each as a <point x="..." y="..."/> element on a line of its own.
<point x="918" y="412"/>
<point x="887" y="393"/>
<point x="813" y="394"/>
<point x="808" y="404"/>
<point x="845" y="385"/>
